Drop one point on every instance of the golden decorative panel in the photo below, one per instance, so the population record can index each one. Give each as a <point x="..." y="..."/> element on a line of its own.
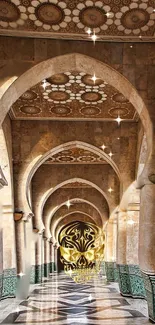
<point x="81" y="249"/>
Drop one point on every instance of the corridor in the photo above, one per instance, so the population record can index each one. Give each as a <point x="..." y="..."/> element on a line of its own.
<point x="61" y="301"/>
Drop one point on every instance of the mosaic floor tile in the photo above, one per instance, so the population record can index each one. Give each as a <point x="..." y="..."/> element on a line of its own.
<point x="60" y="301"/>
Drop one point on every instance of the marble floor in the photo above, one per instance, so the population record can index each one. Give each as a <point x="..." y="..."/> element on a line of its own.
<point x="60" y="301"/>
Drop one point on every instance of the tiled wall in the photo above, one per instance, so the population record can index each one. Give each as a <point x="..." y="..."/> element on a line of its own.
<point x="111" y="271"/>
<point x="149" y="282"/>
<point x="9" y="283"/>
<point x="131" y="281"/>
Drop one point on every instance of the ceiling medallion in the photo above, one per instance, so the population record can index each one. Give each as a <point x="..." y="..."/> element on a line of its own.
<point x="87" y="80"/>
<point x="61" y="110"/>
<point x="32" y="110"/>
<point x="90" y="14"/>
<point x="119" y="98"/>
<point x="58" y="79"/>
<point x="91" y="96"/>
<point x="135" y="18"/>
<point x="59" y="95"/>
<point x="90" y="111"/>
<point x="8" y="11"/>
<point x="29" y="95"/>
<point x="118" y="111"/>
<point x="93" y="17"/>
<point x="49" y="13"/>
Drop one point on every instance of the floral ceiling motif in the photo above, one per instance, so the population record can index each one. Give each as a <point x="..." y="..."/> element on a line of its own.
<point x="72" y="18"/>
<point x="73" y="95"/>
<point x="75" y="156"/>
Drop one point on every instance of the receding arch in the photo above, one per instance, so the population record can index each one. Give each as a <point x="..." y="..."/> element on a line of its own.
<point x="69" y="181"/>
<point x="78" y="62"/>
<point x="49" y="222"/>
<point x="30" y="171"/>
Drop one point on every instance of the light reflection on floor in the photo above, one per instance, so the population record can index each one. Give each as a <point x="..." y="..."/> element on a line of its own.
<point x="60" y="301"/>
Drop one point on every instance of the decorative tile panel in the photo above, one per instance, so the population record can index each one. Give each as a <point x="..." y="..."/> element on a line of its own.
<point x="124" y="280"/>
<point x="149" y="283"/>
<point x="110" y="274"/>
<point x="136" y="282"/>
<point x="9" y="283"/>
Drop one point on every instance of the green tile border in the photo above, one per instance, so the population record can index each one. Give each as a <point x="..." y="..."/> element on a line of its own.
<point x="131" y="281"/>
<point x="38" y="274"/>
<point x="149" y="283"/>
<point x="110" y="273"/>
<point x="52" y="267"/>
<point x="136" y="282"/>
<point x="9" y="283"/>
<point x="124" y="280"/>
<point x="1" y="285"/>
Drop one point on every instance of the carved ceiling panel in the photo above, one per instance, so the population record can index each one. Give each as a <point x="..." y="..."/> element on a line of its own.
<point x="73" y="95"/>
<point x="75" y="156"/>
<point x="116" y="19"/>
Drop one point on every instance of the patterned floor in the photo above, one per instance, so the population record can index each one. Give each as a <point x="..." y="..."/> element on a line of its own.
<point x="60" y="301"/>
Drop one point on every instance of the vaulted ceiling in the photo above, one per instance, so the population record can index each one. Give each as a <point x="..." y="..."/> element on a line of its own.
<point x="70" y="19"/>
<point x="73" y="95"/>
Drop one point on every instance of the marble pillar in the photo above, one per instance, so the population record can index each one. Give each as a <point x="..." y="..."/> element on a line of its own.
<point x="46" y="257"/>
<point x="123" y="276"/>
<point x="135" y="275"/>
<point x="52" y="267"/>
<point x="9" y="276"/>
<point x="38" y="258"/>
<point x="55" y="257"/>
<point x="147" y="244"/>
<point x="110" y="251"/>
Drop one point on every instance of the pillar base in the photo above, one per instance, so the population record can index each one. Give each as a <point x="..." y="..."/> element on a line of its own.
<point x="9" y="283"/>
<point x="38" y="274"/>
<point x="136" y="282"/>
<point x="149" y="282"/>
<point x="111" y="271"/>
<point x="131" y="281"/>
<point x="46" y="269"/>
<point x="124" y="280"/>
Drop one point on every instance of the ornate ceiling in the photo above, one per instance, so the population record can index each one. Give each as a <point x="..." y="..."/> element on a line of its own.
<point x="73" y="95"/>
<point x="70" y="19"/>
<point x="76" y="185"/>
<point x="75" y="156"/>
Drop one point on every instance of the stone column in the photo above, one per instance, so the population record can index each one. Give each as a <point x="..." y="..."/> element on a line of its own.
<point x="9" y="275"/>
<point x="123" y="276"/>
<point x="147" y="243"/>
<point x="22" y="293"/>
<point x="46" y="257"/>
<point x="55" y="258"/>
<point x="51" y="257"/>
<point x="38" y="258"/>
<point x="135" y="275"/>
<point x="110" y="258"/>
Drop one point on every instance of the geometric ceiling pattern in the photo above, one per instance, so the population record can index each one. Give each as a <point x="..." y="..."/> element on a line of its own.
<point x="72" y="18"/>
<point x="76" y="184"/>
<point x="75" y="156"/>
<point x="72" y="95"/>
